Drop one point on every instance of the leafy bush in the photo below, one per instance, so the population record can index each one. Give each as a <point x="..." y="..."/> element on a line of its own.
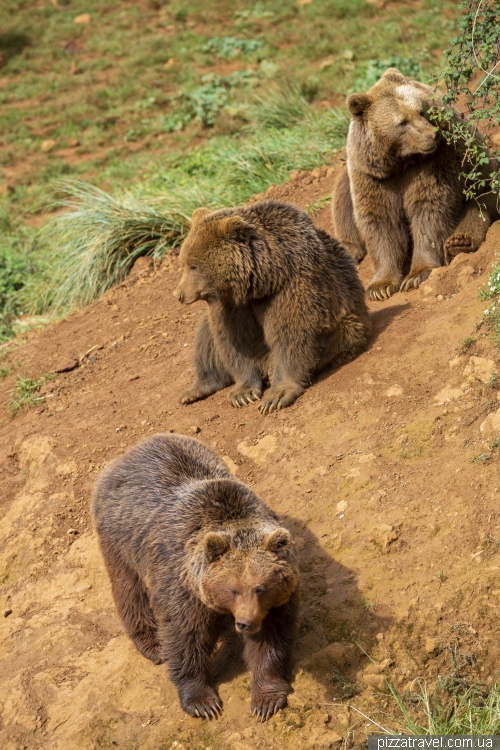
<point x="205" y="102"/>
<point x="227" y="47"/>
<point x="472" y="74"/>
<point x="17" y="264"/>
<point x="375" y="68"/>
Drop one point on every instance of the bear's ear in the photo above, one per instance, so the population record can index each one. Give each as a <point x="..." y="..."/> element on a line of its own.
<point x="394" y="75"/>
<point x="215" y="545"/>
<point x="198" y="215"/>
<point x="357" y="103"/>
<point x="278" y="541"/>
<point x="232" y="226"/>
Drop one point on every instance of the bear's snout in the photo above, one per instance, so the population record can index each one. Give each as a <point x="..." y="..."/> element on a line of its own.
<point x="247" y="627"/>
<point x="178" y="294"/>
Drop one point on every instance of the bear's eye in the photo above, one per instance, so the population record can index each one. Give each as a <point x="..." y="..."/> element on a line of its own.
<point x="403" y="123"/>
<point x="233" y="592"/>
<point x="193" y="268"/>
<point x="260" y="590"/>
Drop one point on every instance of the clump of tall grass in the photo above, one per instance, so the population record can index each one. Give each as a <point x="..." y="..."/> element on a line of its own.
<point x="97" y="237"/>
<point x="452" y="707"/>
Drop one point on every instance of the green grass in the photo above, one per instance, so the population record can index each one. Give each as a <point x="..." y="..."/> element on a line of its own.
<point x="26" y="391"/>
<point x="177" y="105"/>
<point x="446" y="709"/>
<point x="98" y="237"/>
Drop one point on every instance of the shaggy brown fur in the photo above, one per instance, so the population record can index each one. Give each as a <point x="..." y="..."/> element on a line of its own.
<point x="186" y="545"/>
<point x="284" y="300"/>
<point x="399" y="195"/>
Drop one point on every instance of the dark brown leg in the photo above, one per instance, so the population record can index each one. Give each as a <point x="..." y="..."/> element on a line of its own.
<point x="269" y="656"/>
<point x="133" y="606"/>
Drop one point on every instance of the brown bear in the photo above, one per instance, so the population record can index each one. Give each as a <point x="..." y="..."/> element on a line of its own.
<point x="186" y="545"/>
<point x="284" y="300"/>
<point x="400" y="195"/>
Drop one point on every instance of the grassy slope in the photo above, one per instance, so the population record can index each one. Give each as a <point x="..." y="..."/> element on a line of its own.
<point x="101" y="100"/>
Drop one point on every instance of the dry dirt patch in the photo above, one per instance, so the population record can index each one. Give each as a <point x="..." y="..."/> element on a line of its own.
<point x="370" y="469"/>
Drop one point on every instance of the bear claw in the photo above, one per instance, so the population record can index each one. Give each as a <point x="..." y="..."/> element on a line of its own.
<point x="413" y="280"/>
<point x="381" y="292"/>
<point x="263" y="711"/>
<point x="243" y="399"/>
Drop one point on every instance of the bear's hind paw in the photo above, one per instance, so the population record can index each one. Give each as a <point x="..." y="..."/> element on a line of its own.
<point x="456" y="244"/>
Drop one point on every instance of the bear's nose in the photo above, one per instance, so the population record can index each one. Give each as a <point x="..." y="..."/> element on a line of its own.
<point x="178" y="295"/>
<point x="243" y="625"/>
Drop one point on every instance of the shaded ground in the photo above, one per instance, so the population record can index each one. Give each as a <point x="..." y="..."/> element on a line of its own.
<point x="398" y="529"/>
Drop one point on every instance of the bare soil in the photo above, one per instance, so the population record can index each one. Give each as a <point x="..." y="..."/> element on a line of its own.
<point x="371" y="469"/>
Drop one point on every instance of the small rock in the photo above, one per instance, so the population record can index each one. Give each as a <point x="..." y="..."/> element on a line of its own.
<point x="440" y="298"/>
<point x="66" y="365"/>
<point x="367" y="457"/>
<point x="326" y="718"/>
<point x="82" y="18"/>
<point x="384" y="535"/>
<point x="47" y="145"/>
<point x="431" y="645"/>
<point x="230" y="464"/>
<point x="195" y="429"/>
<point x="7" y="612"/>
<point x="394" y="390"/>
<point x="448" y="394"/>
<point x="374" y="680"/>
<point x="144" y="263"/>
<point x="342" y="506"/>
<point x="479" y="369"/>
<point x="72" y="531"/>
<point x="490" y="428"/>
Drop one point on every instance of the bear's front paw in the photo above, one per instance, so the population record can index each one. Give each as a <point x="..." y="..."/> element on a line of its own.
<point x="416" y="277"/>
<point x="243" y="395"/>
<point x="267" y="699"/>
<point x="456" y="244"/>
<point x="201" y="702"/>
<point x="382" y="289"/>
<point x="191" y="395"/>
<point x="279" y="397"/>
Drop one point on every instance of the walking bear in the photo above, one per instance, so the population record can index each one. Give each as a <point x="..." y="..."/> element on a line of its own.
<point x="186" y="545"/>
<point x="284" y="300"/>
<point x="400" y="196"/>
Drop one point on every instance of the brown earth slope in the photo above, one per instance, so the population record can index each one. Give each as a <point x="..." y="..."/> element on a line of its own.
<point x="371" y="469"/>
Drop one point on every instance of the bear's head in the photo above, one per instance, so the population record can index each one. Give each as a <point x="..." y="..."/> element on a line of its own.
<point x="390" y="122"/>
<point x="215" y="258"/>
<point x="247" y="572"/>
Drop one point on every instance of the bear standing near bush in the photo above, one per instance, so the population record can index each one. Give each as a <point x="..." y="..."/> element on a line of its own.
<point x="400" y="195"/>
<point x="284" y="300"/>
<point x="185" y="545"/>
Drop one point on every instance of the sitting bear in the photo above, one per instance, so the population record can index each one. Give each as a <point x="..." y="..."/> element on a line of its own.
<point x="186" y="545"/>
<point x="400" y="195"/>
<point x="284" y="300"/>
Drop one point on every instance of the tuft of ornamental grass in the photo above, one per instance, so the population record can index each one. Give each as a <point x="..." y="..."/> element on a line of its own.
<point x="26" y="391"/>
<point x="452" y="707"/>
<point x="281" y="107"/>
<point x="97" y="237"/>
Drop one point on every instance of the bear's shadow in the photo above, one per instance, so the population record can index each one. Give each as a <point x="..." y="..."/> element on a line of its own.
<point x="338" y="625"/>
<point x="381" y="319"/>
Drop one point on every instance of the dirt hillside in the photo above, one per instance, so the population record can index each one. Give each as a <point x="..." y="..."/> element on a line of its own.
<point x="371" y="469"/>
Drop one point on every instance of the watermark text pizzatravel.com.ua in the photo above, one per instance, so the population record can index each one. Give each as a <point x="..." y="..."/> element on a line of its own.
<point x="433" y="742"/>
